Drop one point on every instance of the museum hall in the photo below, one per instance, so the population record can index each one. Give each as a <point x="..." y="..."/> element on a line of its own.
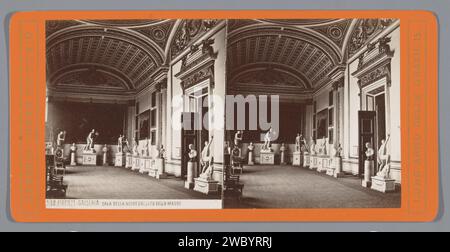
<point x="336" y="141"/>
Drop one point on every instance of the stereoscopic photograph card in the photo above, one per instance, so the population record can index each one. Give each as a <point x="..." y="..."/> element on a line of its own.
<point x="223" y="116"/>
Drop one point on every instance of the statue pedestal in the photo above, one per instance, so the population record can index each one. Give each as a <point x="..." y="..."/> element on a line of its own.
<point x="120" y="159"/>
<point x="321" y="164"/>
<point x="337" y="163"/>
<point x="135" y="164"/>
<point x="283" y="158"/>
<point x="145" y="164"/>
<point x="129" y="161"/>
<point x="313" y="162"/>
<point x="153" y="172"/>
<point x="250" y="158"/>
<point x="331" y="167"/>
<point x="206" y="186"/>
<point x="159" y="163"/>
<point x="368" y="173"/>
<point x="306" y="160"/>
<point x="105" y="159"/>
<point x="297" y="158"/>
<point x="189" y="183"/>
<point x="383" y="184"/>
<point x="72" y="159"/>
<point x="89" y="158"/>
<point x="267" y="158"/>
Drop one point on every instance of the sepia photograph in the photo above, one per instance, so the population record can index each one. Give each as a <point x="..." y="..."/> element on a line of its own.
<point x="238" y="113"/>
<point x="117" y="91"/>
<point x="314" y="113"/>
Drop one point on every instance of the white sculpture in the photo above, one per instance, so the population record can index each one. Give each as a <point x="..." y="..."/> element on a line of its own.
<point x="192" y="153"/>
<point x="161" y="152"/>
<point x="297" y="142"/>
<point x="383" y="160"/>
<point x="238" y="138"/>
<point x="105" y="151"/>
<point x="135" y="147"/>
<point x="120" y="144"/>
<point x="267" y="140"/>
<point x="369" y="152"/>
<point x="207" y="161"/>
<point x="90" y="141"/>
<point x="337" y="150"/>
<point x="324" y="146"/>
<point x="60" y="139"/>
<point x="73" y="150"/>
<point x="250" y="148"/>
<point x="312" y="147"/>
<point x="282" y="154"/>
<point x="145" y="149"/>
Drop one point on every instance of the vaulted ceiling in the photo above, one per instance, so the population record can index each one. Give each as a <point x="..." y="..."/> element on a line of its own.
<point x="114" y="56"/>
<point x="299" y="53"/>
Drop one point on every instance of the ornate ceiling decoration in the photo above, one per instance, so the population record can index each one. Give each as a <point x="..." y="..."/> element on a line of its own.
<point x="365" y="30"/>
<point x="52" y="26"/>
<point x="134" y="56"/>
<point x="158" y="33"/>
<point x="335" y="32"/>
<point x="124" y="22"/>
<point x="298" y="51"/>
<point x="302" y="22"/>
<point x="188" y="31"/>
<point x="307" y="48"/>
<point x="270" y="76"/>
<point x="92" y="77"/>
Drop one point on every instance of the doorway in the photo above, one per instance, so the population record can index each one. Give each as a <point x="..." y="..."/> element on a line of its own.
<point x="195" y="128"/>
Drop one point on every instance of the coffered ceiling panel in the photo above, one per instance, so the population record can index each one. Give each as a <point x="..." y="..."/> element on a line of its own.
<point x="113" y="49"/>
<point x="298" y="51"/>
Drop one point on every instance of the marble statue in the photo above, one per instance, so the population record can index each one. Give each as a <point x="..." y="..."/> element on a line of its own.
<point x="238" y="138"/>
<point x="312" y="147"/>
<point x="90" y="141"/>
<point x="324" y="146"/>
<point x="192" y="153"/>
<point x="120" y="144"/>
<point x="105" y="151"/>
<point x="135" y="147"/>
<point x="369" y="152"/>
<point x="73" y="150"/>
<point x="298" y="142"/>
<point x="162" y="152"/>
<point x="207" y="160"/>
<point x="267" y="140"/>
<point x="383" y="159"/>
<point x="60" y="139"/>
<point x="283" y="154"/>
<point x="337" y="150"/>
<point x="250" y="148"/>
<point x="227" y="148"/>
<point x="127" y="145"/>
<point x="145" y="149"/>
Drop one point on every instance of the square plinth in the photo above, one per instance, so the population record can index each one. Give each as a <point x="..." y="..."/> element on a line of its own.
<point x="120" y="160"/>
<point x="89" y="159"/>
<point x="206" y="186"/>
<point x="297" y="158"/>
<point x="267" y="158"/>
<point x="382" y="184"/>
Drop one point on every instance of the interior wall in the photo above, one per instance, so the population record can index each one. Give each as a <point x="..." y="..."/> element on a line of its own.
<point x="352" y="103"/>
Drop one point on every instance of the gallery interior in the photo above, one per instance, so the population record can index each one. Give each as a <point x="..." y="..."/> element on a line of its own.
<point x="125" y="99"/>
<point x="338" y="86"/>
<point x="129" y="82"/>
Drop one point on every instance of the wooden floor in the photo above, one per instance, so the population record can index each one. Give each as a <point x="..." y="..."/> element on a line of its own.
<point x="103" y="182"/>
<point x="295" y="187"/>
